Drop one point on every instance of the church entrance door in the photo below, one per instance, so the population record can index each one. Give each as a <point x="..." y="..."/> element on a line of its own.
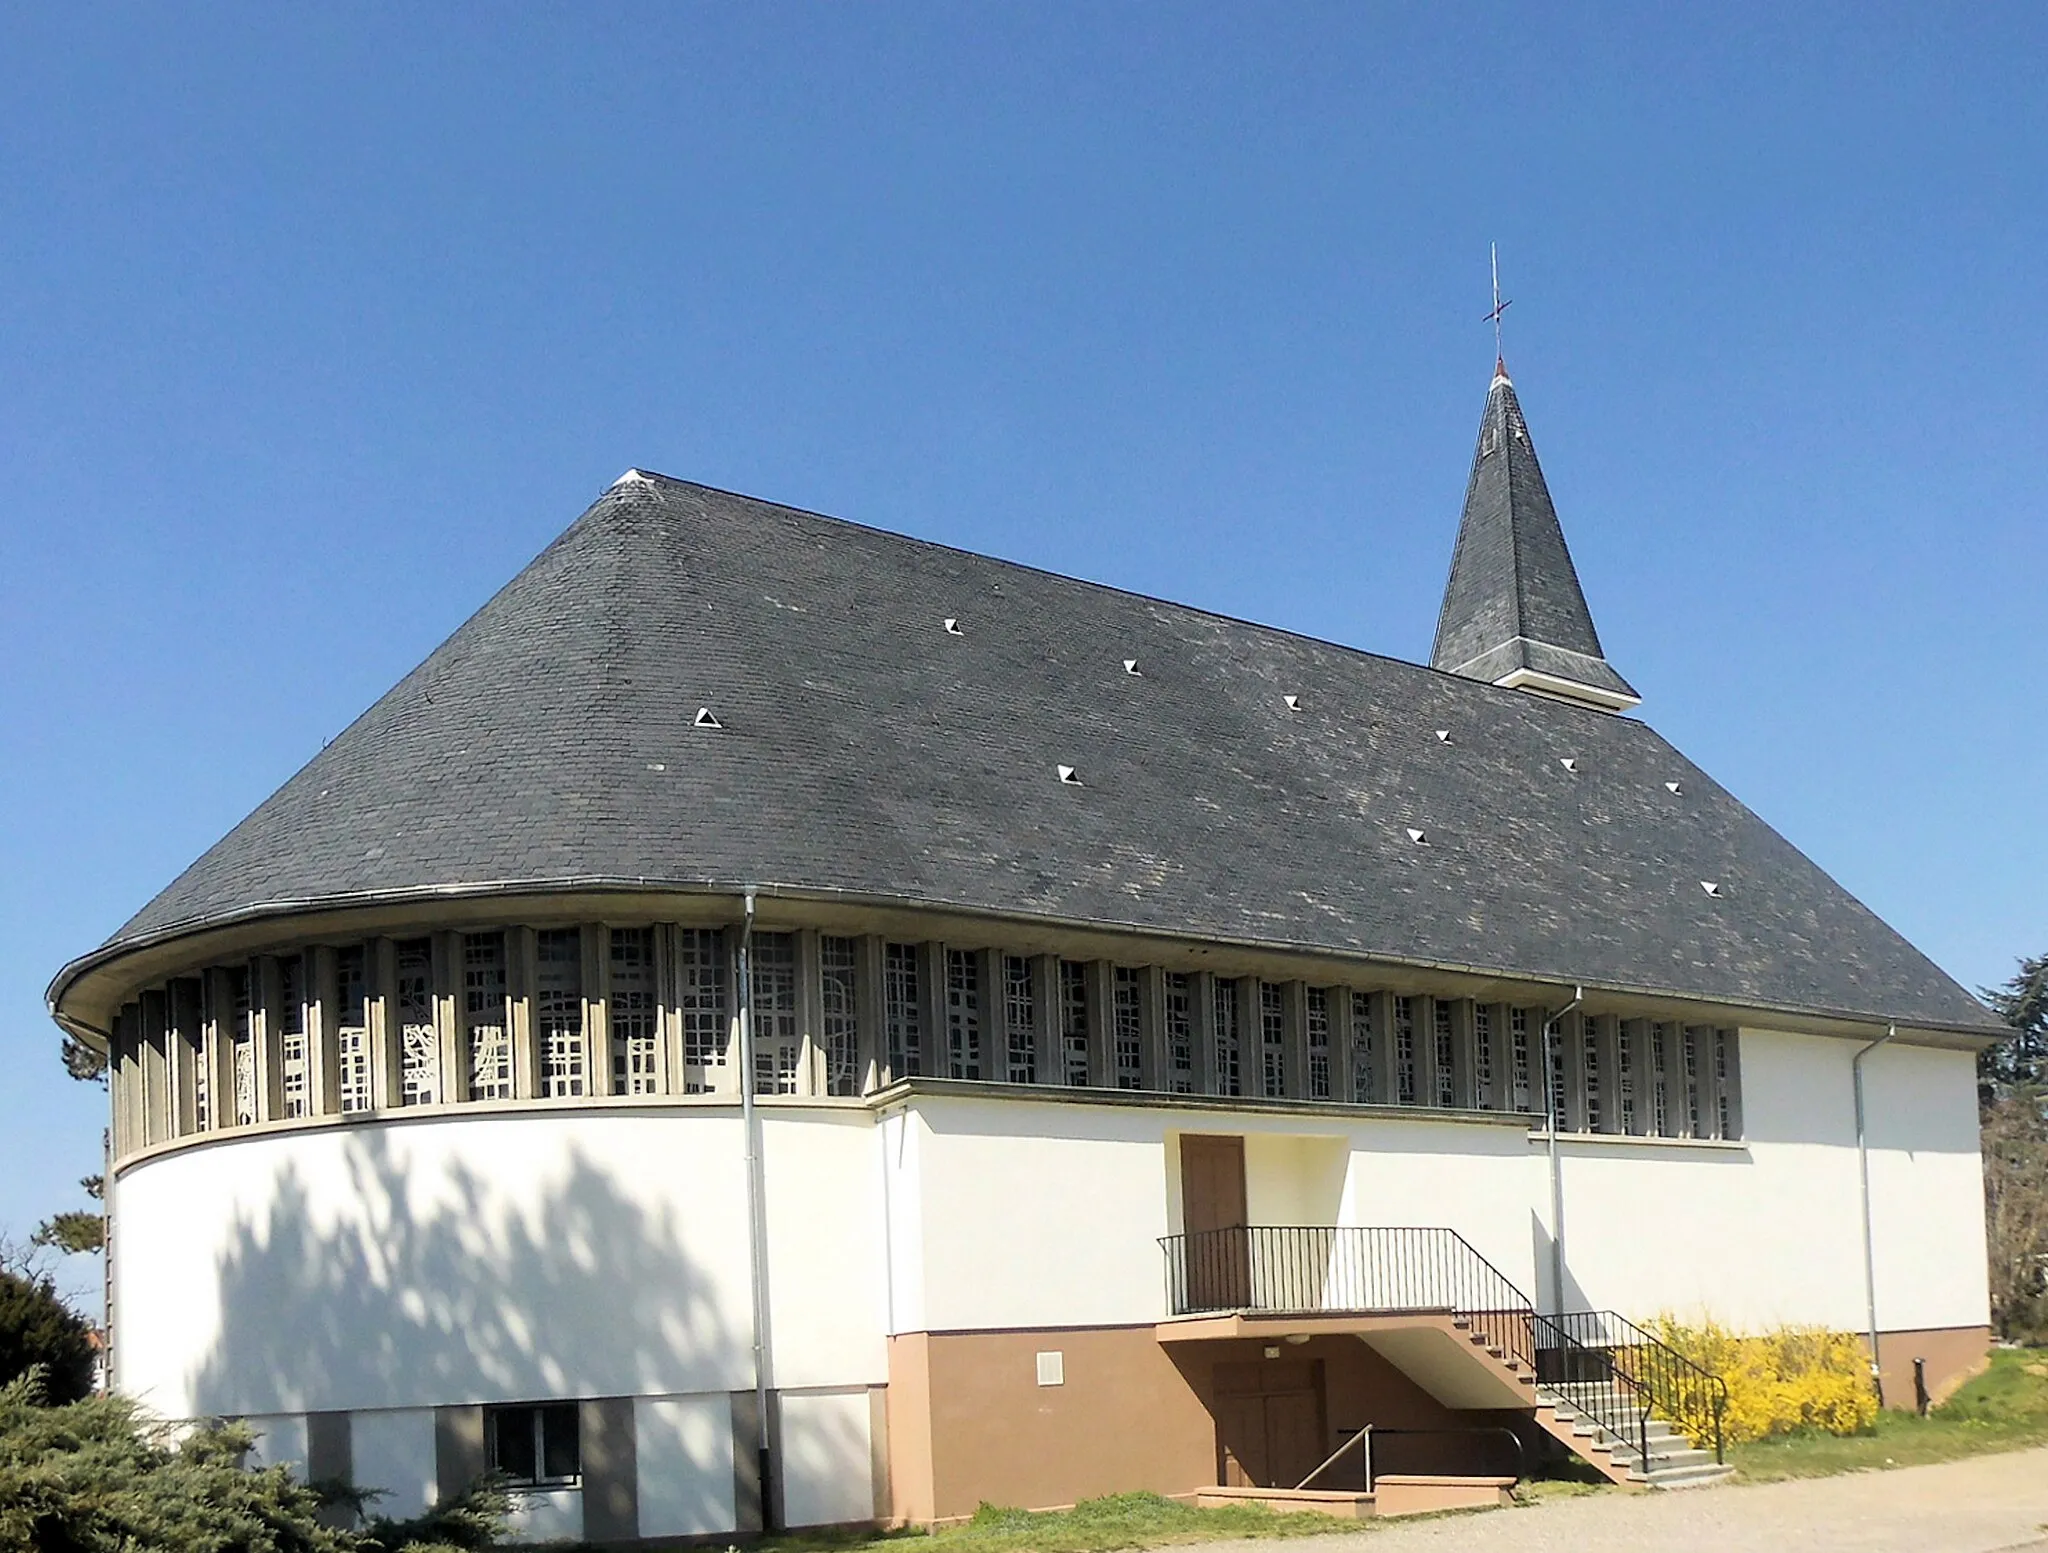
<point x="1217" y="1245"/>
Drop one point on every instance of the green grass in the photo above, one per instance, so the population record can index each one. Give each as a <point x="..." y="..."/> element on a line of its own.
<point x="2004" y="1409"/>
<point x="1093" y="1526"/>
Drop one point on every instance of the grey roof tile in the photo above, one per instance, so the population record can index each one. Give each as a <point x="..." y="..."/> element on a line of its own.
<point x="551" y="740"/>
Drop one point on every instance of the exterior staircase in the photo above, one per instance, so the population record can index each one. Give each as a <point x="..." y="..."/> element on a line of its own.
<point x="1635" y="1409"/>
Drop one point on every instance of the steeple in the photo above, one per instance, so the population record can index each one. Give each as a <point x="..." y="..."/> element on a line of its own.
<point x="1513" y="612"/>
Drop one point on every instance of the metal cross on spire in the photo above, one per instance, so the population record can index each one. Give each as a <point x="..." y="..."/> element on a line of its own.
<point x="1500" y="360"/>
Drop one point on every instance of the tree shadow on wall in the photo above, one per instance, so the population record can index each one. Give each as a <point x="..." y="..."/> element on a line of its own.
<point x="427" y="1282"/>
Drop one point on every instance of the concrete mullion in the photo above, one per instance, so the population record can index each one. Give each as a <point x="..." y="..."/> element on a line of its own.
<point x="1047" y="1053"/>
<point x="266" y="1024"/>
<point x="873" y="1061"/>
<point x="1202" y="1032"/>
<point x="1155" y="1063"/>
<point x="520" y="955"/>
<point x="186" y="1053"/>
<point x="323" y="1040"/>
<point x="386" y="1045"/>
<point x="1100" y="982"/>
<point x="595" y="941"/>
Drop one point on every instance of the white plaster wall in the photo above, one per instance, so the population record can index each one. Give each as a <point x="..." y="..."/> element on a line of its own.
<point x="1476" y="1180"/>
<point x="493" y="1257"/>
<point x="393" y="1450"/>
<point x="1770" y="1233"/>
<point x="827" y="1459"/>
<point x="280" y="1442"/>
<point x="546" y="1515"/>
<point x="899" y="1177"/>
<point x="1051" y="1226"/>
<point x="683" y="1454"/>
<point x="826" y="1249"/>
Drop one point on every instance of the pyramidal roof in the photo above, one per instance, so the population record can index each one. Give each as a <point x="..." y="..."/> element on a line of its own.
<point x="1513" y="612"/>
<point x="693" y="689"/>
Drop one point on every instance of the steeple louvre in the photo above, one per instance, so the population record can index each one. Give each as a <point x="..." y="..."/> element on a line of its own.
<point x="1513" y="613"/>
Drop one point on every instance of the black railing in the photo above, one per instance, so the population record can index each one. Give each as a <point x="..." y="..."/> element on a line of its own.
<point x="1360" y="1461"/>
<point x="1602" y="1365"/>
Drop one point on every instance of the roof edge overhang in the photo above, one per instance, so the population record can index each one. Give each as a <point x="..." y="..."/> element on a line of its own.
<point x="1567" y="690"/>
<point x="340" y="912"/>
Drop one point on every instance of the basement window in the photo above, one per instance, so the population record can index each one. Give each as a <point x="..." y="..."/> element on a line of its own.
<point x="486" y="1016"/>
<point x="534" y="1445"/>
<point x="963" y="1014"/>
<point x="1127" y="1029"/>
<point x="352" y="1027"/>
<point x="420" y="1041"/>
<point x="838" y="959"/>
<point x="1020" y="1020"/>
<point x="291" y="1030"/>
<point x="632" y="1014"/>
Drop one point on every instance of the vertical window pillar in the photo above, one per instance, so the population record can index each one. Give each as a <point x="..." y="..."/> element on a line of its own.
<point x="1048" y="1058"/>
<point x="1464" y="1055"/>
<point x="220" y="1045"/>
<point x="597" y="1028"/>
<point x="1571" y="1044"/>
<point x="125" y="1075"/>
<point x="155" y="1057"/>
<point x="1386" y="1056"/>
<point x="1202" y="1040"/>
<point x="1495" y="1060"/>
<point x="1100" y="982"/>
<point x="1432" y="1050"/>
<point x="1728" y="1060"/>
<point x="810" y="1015"/>
<point x="871" y="1035"/>
<point x="387" y="1055"/>
<point x="988" y="970"/>
<point x="447" y="1004"/>
<point x="519" y="970"/>
<point x="1156" y="1071"/>
<point x="323" y="1050"/>
<point x="186" y="1052"/>
<point x="1294" y="1039"/>
<point x="266" y="998"/>
<point x="1606" y="1045"/>
<point x="1342" y="1076"/>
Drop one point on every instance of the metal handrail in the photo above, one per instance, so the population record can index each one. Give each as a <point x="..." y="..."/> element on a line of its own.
<point x="1319" y="1269"/>
<point x="1372" y="1432"/>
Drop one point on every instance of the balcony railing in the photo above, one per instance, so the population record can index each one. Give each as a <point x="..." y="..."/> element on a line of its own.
<point x="1599" y="1362"/>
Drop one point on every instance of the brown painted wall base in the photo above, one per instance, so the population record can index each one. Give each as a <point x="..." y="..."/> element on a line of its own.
<point x="969" y="1423"/>
<point x="1953" y="1355"/>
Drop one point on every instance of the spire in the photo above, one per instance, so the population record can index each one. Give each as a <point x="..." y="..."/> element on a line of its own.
<point x="1513" y="612"/>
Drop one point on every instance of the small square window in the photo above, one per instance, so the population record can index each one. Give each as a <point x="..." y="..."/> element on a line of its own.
<point x="533" y="1444"/>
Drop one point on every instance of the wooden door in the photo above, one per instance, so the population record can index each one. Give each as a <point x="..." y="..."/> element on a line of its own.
<point x="1269" y="1423"/>
<point x="1216" y="1248"/>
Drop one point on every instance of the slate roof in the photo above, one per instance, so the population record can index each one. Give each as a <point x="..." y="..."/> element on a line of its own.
<point x="1514" y="600"/>
<point x="551" y="741"/>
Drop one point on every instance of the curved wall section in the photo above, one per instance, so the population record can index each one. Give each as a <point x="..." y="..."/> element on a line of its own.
<point x="492" y="1258"/>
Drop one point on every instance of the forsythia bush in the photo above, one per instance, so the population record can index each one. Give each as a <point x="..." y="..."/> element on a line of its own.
<point x="1792" y="1379"/>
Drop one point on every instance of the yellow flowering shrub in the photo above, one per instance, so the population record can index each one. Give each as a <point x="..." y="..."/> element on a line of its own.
<point x="1781" y="1382"/>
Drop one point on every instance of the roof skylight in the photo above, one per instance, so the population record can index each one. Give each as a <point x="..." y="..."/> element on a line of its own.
<point x="704" y="719"/>
<point x="1067" y="776"/>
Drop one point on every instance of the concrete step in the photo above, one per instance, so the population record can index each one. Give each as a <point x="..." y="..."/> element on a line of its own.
<point x="1704" y="1476"/>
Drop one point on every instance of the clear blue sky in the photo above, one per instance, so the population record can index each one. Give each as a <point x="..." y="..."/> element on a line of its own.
<point x="317" y="322"/>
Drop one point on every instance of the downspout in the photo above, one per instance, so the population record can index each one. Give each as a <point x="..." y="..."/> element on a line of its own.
<point x="1863" y="1174"/>
<point x="1551" y="1098"/>
<point x="757" y="1222"/>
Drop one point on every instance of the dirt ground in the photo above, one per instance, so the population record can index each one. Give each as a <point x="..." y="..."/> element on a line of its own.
<point x="1989" y="1504"/>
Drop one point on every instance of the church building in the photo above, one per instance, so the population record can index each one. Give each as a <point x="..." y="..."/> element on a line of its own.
<point x="775" y="1023"/>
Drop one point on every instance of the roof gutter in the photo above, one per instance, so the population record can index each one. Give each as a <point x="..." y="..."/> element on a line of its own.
<point x="1863" y="1176"/>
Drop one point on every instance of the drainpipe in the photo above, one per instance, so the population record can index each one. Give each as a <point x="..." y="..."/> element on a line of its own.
<point x="1551" y="1097"/>
<point x="1863" y="1174"/>
<point x="757" y="1220"/>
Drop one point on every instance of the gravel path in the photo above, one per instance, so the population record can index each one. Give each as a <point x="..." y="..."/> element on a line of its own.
<point x="1989" y="1504"/>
